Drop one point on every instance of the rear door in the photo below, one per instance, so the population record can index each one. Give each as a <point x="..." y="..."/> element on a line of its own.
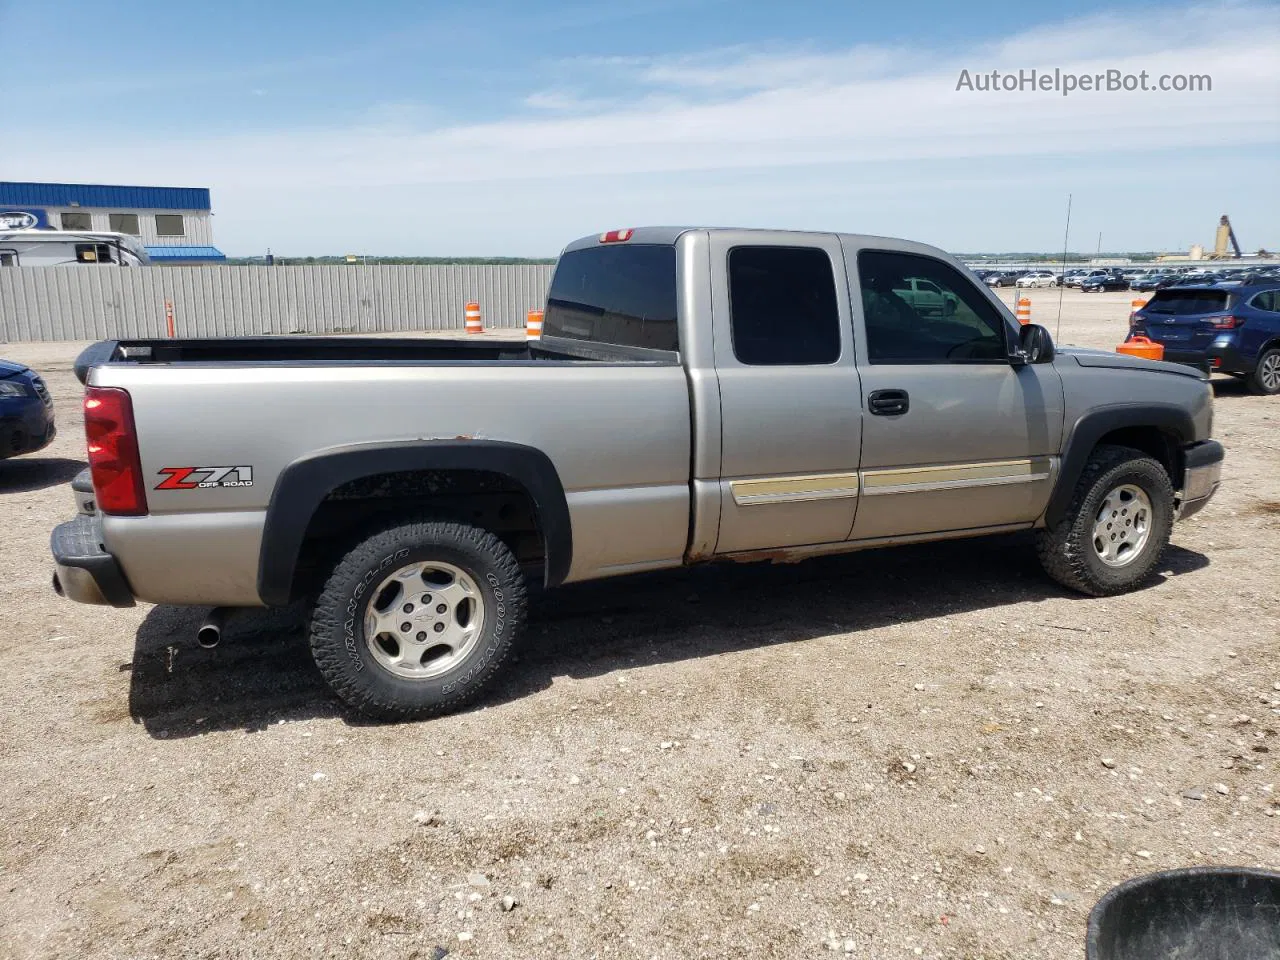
<point x="789" y="399"/>
<point x="954" y="436"/>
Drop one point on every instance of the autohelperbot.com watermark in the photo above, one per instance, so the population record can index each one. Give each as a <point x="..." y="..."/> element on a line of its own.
<point x="1067" y="83"/>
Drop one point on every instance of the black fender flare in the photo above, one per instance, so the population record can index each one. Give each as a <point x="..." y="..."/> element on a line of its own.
<point x="1168" y="418"/>
<point x="305" y="483"/>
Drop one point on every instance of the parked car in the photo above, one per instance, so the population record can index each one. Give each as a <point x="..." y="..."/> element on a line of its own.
<point x="1232" y="330"/>
<point x="1103" y="281"/>
<point x="1198" y="278"/>
<point x="791" y="403"/>
<point x="1039" y="278"/>
<point x="1148" y="282"/>
<point x="1002" y="278"/>
<point x="26" y="411"/>
<point x="70" y="248"/>
<point x="1073" y="278"/>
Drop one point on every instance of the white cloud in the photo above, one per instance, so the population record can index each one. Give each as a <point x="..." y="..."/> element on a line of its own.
<point x="741" y="110"/>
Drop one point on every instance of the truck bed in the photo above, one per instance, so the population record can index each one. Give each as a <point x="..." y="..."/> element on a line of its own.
<point x="299" y="349"/>
<point x="351" y="350"/>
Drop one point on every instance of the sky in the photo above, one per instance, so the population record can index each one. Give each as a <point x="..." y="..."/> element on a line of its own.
<point x="510" y="128"/>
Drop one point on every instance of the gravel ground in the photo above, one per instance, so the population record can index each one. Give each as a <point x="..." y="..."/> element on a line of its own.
<point x="931" y="751"/>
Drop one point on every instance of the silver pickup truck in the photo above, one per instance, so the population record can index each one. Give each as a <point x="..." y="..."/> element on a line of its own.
<point x="697" y="395"/>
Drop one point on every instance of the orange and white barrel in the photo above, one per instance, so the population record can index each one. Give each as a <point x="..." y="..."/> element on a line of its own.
<point x="473" y="322"/>
<point x="533" y="325"/>
<point x="1024" y="310"/>
<point x="1136" y="305"/>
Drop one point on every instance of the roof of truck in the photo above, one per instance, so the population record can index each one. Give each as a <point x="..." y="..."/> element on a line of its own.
<point x="669" y="235"/>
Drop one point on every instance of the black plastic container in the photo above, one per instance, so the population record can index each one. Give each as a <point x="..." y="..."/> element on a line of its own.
<point x="1202" y="913"/>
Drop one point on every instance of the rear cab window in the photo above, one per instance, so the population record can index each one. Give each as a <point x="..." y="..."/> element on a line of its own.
<point x="614" y="296"/>
<point x="1176" y="302"/>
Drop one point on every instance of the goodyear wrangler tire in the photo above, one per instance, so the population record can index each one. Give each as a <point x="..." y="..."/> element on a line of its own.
<point x="1116" y="528"/>
<point x="417" y="619"/>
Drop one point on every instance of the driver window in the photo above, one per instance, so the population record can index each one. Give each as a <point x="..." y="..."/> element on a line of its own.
<point x="920" y="310"/>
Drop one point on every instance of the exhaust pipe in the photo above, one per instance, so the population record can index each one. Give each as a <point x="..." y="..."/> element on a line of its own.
<point x="210" y="631"/>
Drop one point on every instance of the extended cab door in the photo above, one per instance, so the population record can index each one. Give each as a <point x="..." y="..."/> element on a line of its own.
<point x="955" y="437"/>
<point x="789" y="396"/>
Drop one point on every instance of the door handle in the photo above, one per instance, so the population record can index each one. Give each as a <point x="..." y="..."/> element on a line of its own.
<point x="888" y="403"/>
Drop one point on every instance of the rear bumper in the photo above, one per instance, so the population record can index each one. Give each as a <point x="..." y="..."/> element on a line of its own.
<point x="83" y="570"/>
<point x="26" y="431"/>
<point x="1201" y="476"/>
<point x="1211" y="359"/>
<point x="82" y="490"/>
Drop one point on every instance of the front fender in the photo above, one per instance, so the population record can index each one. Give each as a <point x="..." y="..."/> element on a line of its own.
<point x="1171" y="420"/>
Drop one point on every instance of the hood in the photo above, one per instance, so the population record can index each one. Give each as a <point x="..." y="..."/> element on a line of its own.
<point x="1123" y="361"/>
<point x="10" y="368"/>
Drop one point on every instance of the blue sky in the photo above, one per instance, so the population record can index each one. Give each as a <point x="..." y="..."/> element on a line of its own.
<point x="510" y="128"/>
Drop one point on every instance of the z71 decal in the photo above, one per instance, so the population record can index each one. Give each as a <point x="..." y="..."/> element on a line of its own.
<point x="202" y="478"/>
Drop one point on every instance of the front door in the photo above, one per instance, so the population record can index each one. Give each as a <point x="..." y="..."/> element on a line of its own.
<point x="788" y="390"/>
<point x="955" y="437"/>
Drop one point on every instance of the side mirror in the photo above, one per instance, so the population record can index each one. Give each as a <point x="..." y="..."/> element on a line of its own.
<point x="1034" y="345"/>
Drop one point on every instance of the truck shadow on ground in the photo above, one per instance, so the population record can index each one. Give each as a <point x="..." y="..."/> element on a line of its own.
<point x="25" y="474"/>
<point x="262" y="672"/>
<point x="1232" y="389"/>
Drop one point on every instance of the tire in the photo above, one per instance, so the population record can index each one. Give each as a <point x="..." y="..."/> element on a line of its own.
<point x="465" y="605"/>
<point x="1068" y="552"/>
<point x="1265" y="378"/>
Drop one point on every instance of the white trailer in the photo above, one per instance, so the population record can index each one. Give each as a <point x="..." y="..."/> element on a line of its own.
<point x="70" y="248"/>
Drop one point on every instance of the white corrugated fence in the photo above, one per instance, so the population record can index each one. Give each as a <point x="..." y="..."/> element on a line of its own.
<point x="98" y="303"/>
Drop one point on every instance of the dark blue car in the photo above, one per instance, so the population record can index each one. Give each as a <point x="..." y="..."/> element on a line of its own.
<point x="1232" y="330"/>
<point x="26" y="411"/>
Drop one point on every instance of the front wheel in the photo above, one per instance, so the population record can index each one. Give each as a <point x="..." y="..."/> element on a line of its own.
<point x="1265" y="378"/>
<point x="1116" y="527"/>
<point x="417" y="619"/>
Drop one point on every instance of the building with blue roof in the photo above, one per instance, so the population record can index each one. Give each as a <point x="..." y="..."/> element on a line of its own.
<point x="173" y="223"/>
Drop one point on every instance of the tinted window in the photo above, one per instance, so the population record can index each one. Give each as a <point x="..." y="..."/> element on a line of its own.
<point x="1267" y="300"/>
<point x="782" y="302"/>
<point x="169" y="225"/>
<point x="921" y="310"/>
<point x="1178" y="302"/>
<point x="124" y="223"/>
<point x="615" y="294"/>
<point x="8" y="258"/>
<point x="76" y="221"/>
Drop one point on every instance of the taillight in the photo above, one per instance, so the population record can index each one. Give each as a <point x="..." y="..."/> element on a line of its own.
<point x="616" y="236"/>
<point x="1224" y="323"/>
<point x="113" y="452"/>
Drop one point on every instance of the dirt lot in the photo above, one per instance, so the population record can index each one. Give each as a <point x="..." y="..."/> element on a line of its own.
<point x="931" y="752"/>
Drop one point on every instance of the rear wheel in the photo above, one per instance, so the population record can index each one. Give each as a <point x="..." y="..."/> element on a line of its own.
<point x="1265" y="378"/>
<point x="417" y="619"/>
<point x="1116" y="527"/>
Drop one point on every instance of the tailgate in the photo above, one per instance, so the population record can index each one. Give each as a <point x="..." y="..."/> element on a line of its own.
<point x="1184" y="318"/>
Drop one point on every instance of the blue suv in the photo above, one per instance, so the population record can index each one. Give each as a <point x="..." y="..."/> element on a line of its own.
<point x="26" y="411"/>
<point x="1221" y="329"/>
